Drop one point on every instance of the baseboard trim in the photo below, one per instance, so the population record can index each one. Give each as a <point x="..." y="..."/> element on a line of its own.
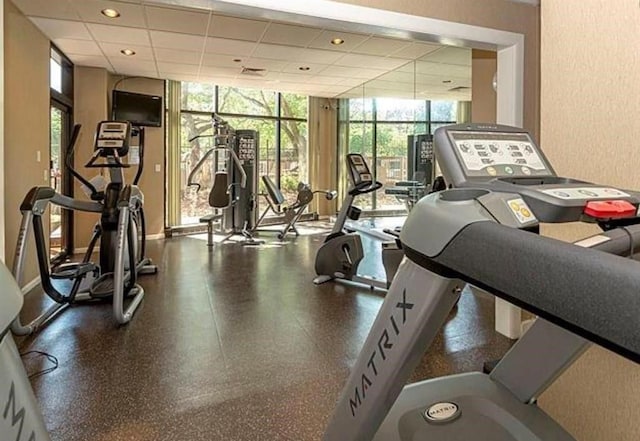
<point x="155" y="236"/>
<point x="29" y="286"/>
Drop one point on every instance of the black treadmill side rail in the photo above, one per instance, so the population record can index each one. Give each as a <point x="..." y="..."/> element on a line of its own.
<point x="588" y="292"/>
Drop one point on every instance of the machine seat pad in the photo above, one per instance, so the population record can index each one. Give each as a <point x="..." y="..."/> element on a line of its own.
<point x="274" y="192"/>
<point x="219" y="196"/>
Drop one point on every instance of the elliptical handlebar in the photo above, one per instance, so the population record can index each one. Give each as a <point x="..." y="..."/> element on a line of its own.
<point x="75" y="132"/>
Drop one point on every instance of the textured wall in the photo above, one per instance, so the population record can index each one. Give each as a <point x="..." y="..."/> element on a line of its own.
<point x="26" y="121"/>
<point x="589" y="129"/>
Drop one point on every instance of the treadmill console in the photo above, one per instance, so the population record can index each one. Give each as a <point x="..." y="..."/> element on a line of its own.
<point x="506" y="160"/>
<point x="498" y="154"/>
<point x="359" y="172"/>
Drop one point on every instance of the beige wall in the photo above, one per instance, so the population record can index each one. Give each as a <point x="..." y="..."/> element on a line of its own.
<point x="497" y="14"/>
<point x="90" y="107"/>
<point x="589" y="130"/>
<point x="26" y="122"/>
<point x="483" y="98"/>
<point x="322" y="151"/>
<point x="93" y="88"/>
<point x="152" y="182"/>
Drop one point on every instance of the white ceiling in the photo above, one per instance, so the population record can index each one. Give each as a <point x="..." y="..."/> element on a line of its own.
<point x="198" y="45"/>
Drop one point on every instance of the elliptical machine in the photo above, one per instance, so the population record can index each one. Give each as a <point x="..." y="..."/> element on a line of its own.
<point x="341" y="253"/>
<point x="121" y="231"/>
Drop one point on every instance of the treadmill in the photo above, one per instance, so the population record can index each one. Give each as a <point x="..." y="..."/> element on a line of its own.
<point x="484" y="233"/>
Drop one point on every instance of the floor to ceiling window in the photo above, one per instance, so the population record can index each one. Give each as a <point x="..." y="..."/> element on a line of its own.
<point x="280" y="119"/>
<point x="379" y="128"/>
<point x="61" y="119"/>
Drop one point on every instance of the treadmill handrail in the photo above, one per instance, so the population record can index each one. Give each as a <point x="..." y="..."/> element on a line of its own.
<point x="588" y="292"/>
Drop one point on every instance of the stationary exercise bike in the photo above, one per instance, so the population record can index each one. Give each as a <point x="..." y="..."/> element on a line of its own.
<point x="121" y="231"/>
<point x="341" y="253"/>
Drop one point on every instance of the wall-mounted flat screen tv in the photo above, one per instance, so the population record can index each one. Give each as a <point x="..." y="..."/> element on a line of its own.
<point x="139" y="109"/>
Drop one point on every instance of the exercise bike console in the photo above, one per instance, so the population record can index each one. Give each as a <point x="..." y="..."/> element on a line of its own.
<point x="360" y="176"/>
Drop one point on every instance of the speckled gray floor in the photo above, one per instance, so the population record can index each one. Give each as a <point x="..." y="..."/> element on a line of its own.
<point x="230" y="344"/>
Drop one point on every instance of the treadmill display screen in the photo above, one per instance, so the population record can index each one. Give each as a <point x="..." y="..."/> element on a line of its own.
<point x="498" y="154"/>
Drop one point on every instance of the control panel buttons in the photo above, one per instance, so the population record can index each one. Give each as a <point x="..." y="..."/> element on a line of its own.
<point x="521" y="211"/>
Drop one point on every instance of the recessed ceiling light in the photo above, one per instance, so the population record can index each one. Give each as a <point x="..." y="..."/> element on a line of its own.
<point x="305" y="68"/>
<point x="337" y="41"/>
<point x="237" y="60"/>
<point x="111" y="13"/>
<point x="446" y="81"/>
<point x="127" y="52"/>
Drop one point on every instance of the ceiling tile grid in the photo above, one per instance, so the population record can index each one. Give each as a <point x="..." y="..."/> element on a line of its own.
<point x="175" y="42"/>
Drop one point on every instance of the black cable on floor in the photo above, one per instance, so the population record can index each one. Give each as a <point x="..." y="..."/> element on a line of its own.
<point x="52" y="359"/>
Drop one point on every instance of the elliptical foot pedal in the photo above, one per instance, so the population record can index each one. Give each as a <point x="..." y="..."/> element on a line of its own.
<point x="103" y="287"/>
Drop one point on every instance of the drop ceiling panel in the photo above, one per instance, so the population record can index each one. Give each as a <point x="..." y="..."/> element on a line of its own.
<point x="78" y="47"/>
<point x="173" y="40"/>
<point x="319" y="56"/>
<point x="89" y="10"/>
<point x="47" y="8"/>
<point x="314" y="68"/>
<point x="177" y="56"/>
<point x="356" y="60"/>
<point x="381" y="46"/>
<point x="415" y="50"/>
<point x="112" y="50"/>
<point x="236" y="28"/>
<point x="263" y="63"/>
<point x="351" y="82"/>
<point x="443" y="70"/>
<point x="55" y="29"/>
<point x="324" y="80"/>
<point x="176" y="20"/>
<point x="119" y="34"/>
<point x="352" y="72"/>
<point x="450" y="55"/>
<point x="220" y="60"/>
<point x="323" y="41"/>
<point x="230" y="47"/>
<point x="219" y="71"/>
<point x="179" y="68"/>
<point x="122" y="64"/>
<point x="277" y="52"/>
<point x="291" y="35"/>
<point x="90" y="60"/>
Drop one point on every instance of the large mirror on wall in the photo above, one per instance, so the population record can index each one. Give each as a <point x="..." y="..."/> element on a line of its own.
<point x="388" y="119"/>
<point x="269" y="72"/>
